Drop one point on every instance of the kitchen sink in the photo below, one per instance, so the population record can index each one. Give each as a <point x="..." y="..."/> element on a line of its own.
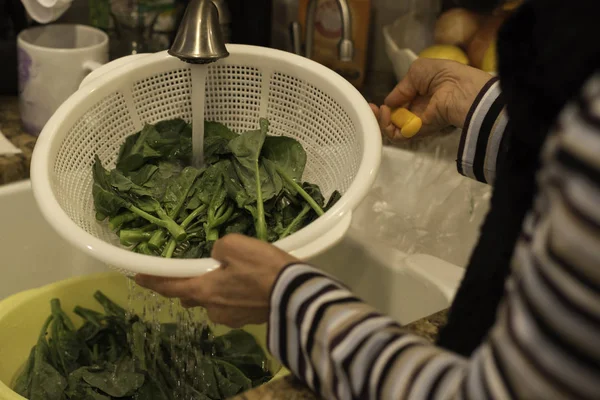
<point x="411" y="237"/>
<point x="404" y="252"/>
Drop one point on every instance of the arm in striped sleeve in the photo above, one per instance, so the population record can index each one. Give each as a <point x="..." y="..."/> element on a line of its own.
<point x="481" y="138"/>
<point x="544" y="344"/>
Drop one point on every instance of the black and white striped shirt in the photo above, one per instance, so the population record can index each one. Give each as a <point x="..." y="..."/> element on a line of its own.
<point x="545" y="343"/>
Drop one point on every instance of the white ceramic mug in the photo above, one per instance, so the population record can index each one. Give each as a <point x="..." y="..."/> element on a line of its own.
<point x="53" y="60"/>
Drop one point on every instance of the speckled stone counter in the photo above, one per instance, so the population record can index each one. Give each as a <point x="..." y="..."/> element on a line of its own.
<point x="15" y="168"/>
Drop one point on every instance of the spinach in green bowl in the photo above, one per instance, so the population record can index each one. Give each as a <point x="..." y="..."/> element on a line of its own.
<point x="114" y="355"/>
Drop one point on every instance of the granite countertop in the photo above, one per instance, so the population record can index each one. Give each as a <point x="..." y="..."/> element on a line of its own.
<point x="15" y="168"/>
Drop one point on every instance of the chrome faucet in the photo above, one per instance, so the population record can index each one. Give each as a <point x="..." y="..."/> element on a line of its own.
<point x="199" y="38"/>
<point x="346" y="46"/>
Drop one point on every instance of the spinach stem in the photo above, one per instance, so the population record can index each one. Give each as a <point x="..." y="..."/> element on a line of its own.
<point x="110" y="307"/>
<point x="295" y="222"/>
<point x="143" y="248"/>
<point x="130" y="237"/>
<point x="188" y="220"/>
<point x="261" y="225"/>
<point x="170" y="249"/>
<point x="301" y="191"/>
<point x="164" y="222"/>
<point x="117" y="221"/>
<point x="158" y="238"/>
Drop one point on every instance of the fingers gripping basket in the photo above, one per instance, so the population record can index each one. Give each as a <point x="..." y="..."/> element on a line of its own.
<point x="299" y="97"/>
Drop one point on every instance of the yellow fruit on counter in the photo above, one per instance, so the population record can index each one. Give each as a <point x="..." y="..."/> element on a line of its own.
<point x="489" y="59"/>
<point x="456" y="27"/>
<point x="445" y="52"/>
<point x="408" y="123"/>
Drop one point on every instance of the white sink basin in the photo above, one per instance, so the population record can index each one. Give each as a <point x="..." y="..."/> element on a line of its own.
<point x="31" y="253"/>
<point x="387" y="257"/>
<point x="412" y="236"/>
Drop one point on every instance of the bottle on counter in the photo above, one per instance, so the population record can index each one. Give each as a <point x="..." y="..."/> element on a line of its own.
<point x="328" y="32"/>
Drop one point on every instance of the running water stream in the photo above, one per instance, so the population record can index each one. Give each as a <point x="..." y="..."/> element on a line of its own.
<point x="199" y="73"/>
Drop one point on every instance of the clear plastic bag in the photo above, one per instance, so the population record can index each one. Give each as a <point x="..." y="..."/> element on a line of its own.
<point x="421" y="205"/>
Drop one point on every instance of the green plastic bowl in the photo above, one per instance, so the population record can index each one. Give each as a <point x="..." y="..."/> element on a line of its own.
<point x="22" y="316"/>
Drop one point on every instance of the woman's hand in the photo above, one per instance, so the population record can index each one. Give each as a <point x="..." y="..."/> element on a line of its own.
<point x="237" y="293"/>
<point x="440" y="92"/>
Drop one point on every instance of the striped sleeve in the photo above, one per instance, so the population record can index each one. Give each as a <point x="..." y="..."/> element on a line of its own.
<point x="481" y="138"/>
<point x="544" y="344"/>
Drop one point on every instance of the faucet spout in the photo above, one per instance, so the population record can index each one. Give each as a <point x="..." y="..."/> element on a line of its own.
<point x="199" y="38"/>
<point x="346" y="46"/>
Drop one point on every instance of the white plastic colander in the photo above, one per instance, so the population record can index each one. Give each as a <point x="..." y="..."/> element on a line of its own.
<point x="299" y="97"/>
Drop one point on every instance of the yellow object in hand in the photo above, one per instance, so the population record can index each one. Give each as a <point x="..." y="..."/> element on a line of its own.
<point x="408" y="123"/>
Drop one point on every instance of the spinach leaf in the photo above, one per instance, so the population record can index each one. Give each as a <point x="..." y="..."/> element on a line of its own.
<point x="209" y="183"/>
<point x="287" y="153"/>
<point x="110" y="307"/>
<point x="297" y="223"/>
<point x="219" y="211"/>
<point x="235" y="189"/>
<point x="46" y="382"/>
<point x="67" y="345"/>
<point x="116" y="380"/>
<point x="79" y="389"/>
<point x="314" y="192"/>
<point x="165" y="173"/>
<point x="216" y="139"/>
<point x="288" y="158"/>
<point x="246" y="149"/>
<point x="23" y="381"/>
<point x="100" y="174"/>
<point x="169" y="138"/>
<point x="138" y="344"/>
<point x="230" y="379"/>
<point x="151" y="390"/>
<point x="207" y="370"/>
<point x="169" y="131"/>
<point x="239" y="348"/>
<point x="136" y="152"/>
<point x="335" y="197"/>
<point x="238" y="223"/>
<point x="106" y="201"/>
<point x="143" y="175"/>
<point x="177" y="191"/>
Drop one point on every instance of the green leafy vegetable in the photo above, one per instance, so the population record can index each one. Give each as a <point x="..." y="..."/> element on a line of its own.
<point x="136" y="151"/>
<point x="251" y="184"/>
<point x="246" y="150"/>
<point x="113" y="355"/>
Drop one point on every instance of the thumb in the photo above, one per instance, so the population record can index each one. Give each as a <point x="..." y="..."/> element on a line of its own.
<point x="422" y="79"/>
<point x="402" y="95"/>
